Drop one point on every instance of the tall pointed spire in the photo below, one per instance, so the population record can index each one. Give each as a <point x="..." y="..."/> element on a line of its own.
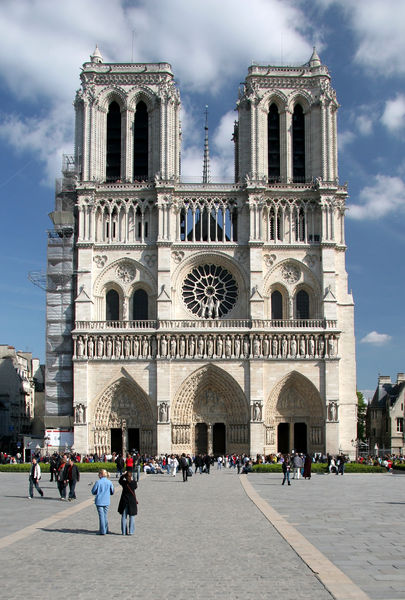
<point x="206" y="164"/>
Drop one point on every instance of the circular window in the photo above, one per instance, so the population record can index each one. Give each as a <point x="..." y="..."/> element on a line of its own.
<point x="210" y="291"/>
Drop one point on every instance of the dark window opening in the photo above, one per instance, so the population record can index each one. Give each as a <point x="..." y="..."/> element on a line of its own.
<point x="273" y="131"/>
<point x="112" y="312"/>
<point x="140" y="306"/>
<point x="276" y="305"/>
<point x="113" y="172"/>
<point x="302" y="305"/>
<point x="298" y="144"/>
<point x="141" y="142"/>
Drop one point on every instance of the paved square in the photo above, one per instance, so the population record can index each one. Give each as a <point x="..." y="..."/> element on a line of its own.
<point x="203" y="539"/>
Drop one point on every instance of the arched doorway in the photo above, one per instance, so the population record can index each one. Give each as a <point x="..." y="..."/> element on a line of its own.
<point x="123" y="420"/>
<point x="295" y="412"/>
<point x="210" y="401"/>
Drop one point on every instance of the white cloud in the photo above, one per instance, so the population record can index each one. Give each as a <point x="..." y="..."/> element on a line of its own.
<point x="364" y="124"/>
<point x="379" y="29"/>
<point x="378" y="339"/>
<point x="387" y="195"/>
<point x="394" y="114"/>
<point x="345" y="138"/>
<point x="209" y="43"/>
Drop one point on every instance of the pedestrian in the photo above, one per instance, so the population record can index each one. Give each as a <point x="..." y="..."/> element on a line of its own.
<point x="286" y="470"/>
<point x="129" y="462"/>
<point x="184" y="466"/>
<point x="297" y="464"/>
<point x="307" y="467"/>
<point x="60" y="478"/>
<point x="34" y="477"/>
<point x="53" y="467"/>
<point x="128" y="505"/>
<point x="119" y="461"/>
<point x="72" y="476"/>
<point x="103" y="489"/>
<point x="173" y="464"/>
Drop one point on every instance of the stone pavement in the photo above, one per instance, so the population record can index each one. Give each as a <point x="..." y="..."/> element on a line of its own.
<point x="203" y="539"/>
<point x="357" y="521"/>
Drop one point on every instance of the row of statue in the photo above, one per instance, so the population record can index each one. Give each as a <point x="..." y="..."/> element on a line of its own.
<point x="177" y="346"/>
<point x="238" y="434"/>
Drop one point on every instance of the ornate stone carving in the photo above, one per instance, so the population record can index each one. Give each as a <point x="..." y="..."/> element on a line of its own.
<point x="257" y="411"/>
<point x="333" y="412"/>
<point x="270" y="436"/>
<point x="290" y="273"/>
<point x="80" y="414"/>
<point x="177" y="256"/>
<point x="209" y="291"/>
<point x="100" y="260"/>
<point x="269" y="260"/>
<point x="126" y="272"/>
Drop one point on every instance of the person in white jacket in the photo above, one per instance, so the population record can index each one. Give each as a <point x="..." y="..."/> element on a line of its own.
<point x="35" y="476"/>
<point x="174" y="463"/>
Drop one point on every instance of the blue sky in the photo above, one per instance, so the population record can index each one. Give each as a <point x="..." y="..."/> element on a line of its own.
<point x="210" y="44"/>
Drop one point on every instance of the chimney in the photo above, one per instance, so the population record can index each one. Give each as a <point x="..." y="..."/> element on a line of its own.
<point x="400" y="377"/>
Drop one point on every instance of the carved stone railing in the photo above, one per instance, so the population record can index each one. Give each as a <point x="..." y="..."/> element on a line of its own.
<point x="205" y="346"/>
<point x="186" y="324"/>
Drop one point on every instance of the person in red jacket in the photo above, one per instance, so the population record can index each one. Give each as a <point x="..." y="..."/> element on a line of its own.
<point x="129" y="463"/>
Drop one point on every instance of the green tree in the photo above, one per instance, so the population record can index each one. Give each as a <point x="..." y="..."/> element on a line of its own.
<point x="361" y="417"/>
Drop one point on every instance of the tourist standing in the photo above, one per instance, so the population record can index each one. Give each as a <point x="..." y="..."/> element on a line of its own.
<point x="72" y="476"/>
<point x="184" y="466"/>
<point x="128" y="503"/>
<point x="286" y="470"/>
<point x="60" y="478"/>
<point x="34" y="477"/>
<point x="103" y="489"/>
<point x="307" y="467"/>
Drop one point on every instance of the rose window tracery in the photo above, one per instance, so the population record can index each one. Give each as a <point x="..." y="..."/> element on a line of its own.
<point x="209" y="291"/>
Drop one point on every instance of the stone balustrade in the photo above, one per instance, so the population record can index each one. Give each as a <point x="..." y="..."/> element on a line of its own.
<point x="205" y="346"/>
<point x="170" y="324"/>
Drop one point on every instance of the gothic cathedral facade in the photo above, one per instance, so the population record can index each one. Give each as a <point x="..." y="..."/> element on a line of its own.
<point x="206" y="317"/>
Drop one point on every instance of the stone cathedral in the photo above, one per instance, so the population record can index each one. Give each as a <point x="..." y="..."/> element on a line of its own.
<point x="201" y="317"/>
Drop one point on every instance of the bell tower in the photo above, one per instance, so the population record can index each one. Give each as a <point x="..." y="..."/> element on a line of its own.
<point x="127" y="122"/>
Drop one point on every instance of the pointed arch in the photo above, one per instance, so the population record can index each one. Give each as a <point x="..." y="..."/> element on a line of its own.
<point x="123" y="400"/>
<point x="189" y="404"/>
<point x="294" y="396"/>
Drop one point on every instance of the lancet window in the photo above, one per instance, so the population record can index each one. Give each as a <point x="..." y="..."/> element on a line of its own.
<point x="112" y="306"/>
<point x="141" y="142"/>
<point x="113" y="150"/>
<point x="208" y="221"/>
<point x="298" y="144"/>
<point x="302" y="305"/>
<point x="273" y="125"/>
<point x="140" y="305"/>
<point x="276" y="305"/>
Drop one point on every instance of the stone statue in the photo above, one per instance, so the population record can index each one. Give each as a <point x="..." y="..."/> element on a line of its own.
<point x="321" y="347"/>
<point x="228" y="347"/>
<point x="311" y="346"/>
<point x="266" y="346"/>
<point x="127" y="347"/>
<point x="191" y="347"/>
<point x="293" y="346"/>
<point x="274" y="347"/>
<point x="237" y="346"/>
<point x="284" y="347"/>
<point x="201" y="346"/>
<point x="80" y="346"/>
<point x="257" y="412"/>
<point x="109" y="347"/>
<point x="100" y="347"/>
<point x="246" y="346"/>
<point x="136" y="346"/>
<point x="182" y="347"/>
<point x="173" y="347"/>
<point x="118" y="347"/>
<point x="216" y="309"/>
<point x="163" y="412"/>
<point x="220" y="346"/>
<point x="145" y="347"/>
<point x="163" y="346"/>
<point x="332" y="347"/>
<point x="332" y="411"/>
<point x="90" y="348"/>
<point x="302" y="346"/>
<point x="210" y="347"/>
<point x="79" y="417"/>
<point x="256" y="347"/>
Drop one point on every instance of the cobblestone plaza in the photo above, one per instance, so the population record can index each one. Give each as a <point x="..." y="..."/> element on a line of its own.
<point x="341" y="537"/>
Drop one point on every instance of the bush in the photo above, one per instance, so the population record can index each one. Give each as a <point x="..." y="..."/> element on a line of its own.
<point x="397" y="466"/>
<point x="323" y="468"/>
<point x="83" y="467"/>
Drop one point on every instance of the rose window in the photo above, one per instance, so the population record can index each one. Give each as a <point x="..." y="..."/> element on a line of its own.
<point x="210" y="291"/>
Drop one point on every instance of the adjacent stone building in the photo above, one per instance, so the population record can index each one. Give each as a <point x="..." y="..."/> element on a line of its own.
<point x="385" y="416"/>
<point x="201" y="317"/>
<point x="21" y="396"/>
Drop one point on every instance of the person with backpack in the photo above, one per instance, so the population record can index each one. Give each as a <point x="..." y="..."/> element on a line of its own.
<point x="184" y="466"/>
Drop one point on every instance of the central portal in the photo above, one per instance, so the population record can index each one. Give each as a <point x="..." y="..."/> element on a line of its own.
<point x="201" y="438"/>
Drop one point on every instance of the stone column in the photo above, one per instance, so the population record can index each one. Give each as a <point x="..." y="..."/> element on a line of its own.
<point x="210" y="446"/>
